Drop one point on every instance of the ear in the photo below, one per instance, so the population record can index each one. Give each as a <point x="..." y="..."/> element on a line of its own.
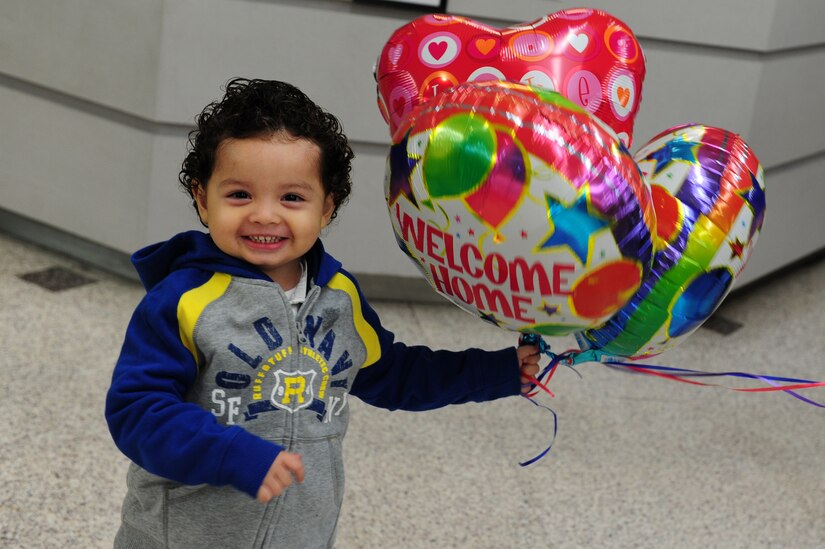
<point x="329" y="209"/>
<point x="200" y="201"/>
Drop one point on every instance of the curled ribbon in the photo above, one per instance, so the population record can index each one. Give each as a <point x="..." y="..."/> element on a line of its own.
<point x="572" y="357"/>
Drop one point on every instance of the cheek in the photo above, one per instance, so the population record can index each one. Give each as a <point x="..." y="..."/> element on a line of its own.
<point x="223" y="220"/>
<point x="312" y="225"/>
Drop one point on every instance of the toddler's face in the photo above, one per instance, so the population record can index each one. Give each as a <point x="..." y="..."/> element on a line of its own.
<point x="265" y="202"/>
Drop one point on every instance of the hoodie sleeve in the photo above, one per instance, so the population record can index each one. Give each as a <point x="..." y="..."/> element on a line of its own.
<point x="153" y="425"/>
<point x="418" y="378"/>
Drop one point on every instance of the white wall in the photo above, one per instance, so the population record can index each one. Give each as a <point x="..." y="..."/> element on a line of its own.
<point x="97" y="96"/>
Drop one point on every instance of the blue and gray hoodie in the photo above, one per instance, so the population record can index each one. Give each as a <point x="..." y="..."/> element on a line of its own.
<point x="217" y="375"/>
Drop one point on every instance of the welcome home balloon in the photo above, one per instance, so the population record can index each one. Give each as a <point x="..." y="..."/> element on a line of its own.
<point x="708" y="192"/>
<point x="520" y="207"/>
<point x="587" y="55"/>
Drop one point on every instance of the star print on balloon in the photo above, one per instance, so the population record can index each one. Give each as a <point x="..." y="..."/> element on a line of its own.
<point x="737" y="248"/>
<point x="572" y="226"/>
<point x="677" y="149"/>
<point x="721" y="196"/>
<point x="755" y="197"/>
<point x="547" y="309"/>
<point x="491" y="318"/>
<point x="401" y="167"/>
<point x="491" y="183"/>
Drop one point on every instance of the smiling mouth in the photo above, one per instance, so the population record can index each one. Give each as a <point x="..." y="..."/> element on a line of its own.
<point x="266" y="239"/>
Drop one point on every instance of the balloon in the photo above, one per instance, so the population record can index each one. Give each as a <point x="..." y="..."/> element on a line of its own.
<point x="709" y="196"/>
<point x="589" y="56"/>
<point x="519" y="207"/>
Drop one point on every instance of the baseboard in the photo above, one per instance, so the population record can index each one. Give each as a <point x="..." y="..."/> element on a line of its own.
<point x="59" y="241"/>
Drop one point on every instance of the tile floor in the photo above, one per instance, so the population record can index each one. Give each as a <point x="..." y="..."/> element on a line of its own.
<point x="638" y="462"/>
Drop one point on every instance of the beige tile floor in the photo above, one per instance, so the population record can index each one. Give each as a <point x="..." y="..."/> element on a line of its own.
<point x="638" y="462"/>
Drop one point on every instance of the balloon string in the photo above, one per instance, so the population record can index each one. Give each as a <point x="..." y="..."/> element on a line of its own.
<point x="572" y="357"/>
<point x="552" y="439"/>
<point x="550" y="369"/>
<point x="543" y="386"/>
<point x="548" y="372"/>
<point x="795" y="394"/>
<point x="699" y="373"/>
<point x="680" y="374"/>
<point x="540" y="382"/>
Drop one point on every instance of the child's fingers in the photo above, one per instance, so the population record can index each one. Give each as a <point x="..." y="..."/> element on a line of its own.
<point x="528" y="374"/>
<point x="295" y="466"/>
<point x="529" y="370"/>
<point x="286" y="473"/>
<point x="274" y="484"/>
<point x="299" y="473"/>
<point x="528" y="353"/>
<point x="286" y="468"/>
<point x="265" y="493"/>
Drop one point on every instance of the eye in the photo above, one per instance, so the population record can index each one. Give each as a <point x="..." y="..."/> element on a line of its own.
<point x="239" y="195"/>
<point x="292" y="197"/>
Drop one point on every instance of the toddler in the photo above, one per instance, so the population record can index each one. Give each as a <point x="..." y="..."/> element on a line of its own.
<point x="230" y="392"/>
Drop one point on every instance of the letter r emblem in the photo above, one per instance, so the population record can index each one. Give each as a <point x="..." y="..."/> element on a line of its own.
<point x="294" y="387"/>
<point x="293" y="390"/>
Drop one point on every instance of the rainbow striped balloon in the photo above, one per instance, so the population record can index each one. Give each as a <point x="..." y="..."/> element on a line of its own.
<point x="709" y="197"/>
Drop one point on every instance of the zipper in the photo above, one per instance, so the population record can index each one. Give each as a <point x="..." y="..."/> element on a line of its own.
<point x="299" y="340"/>
<point x="296" y="339"/>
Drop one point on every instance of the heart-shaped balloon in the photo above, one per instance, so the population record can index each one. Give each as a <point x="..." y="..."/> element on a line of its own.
<point x="520" y="207"/>
<point x="587" y="55"/>
<point x="709" y="196"/>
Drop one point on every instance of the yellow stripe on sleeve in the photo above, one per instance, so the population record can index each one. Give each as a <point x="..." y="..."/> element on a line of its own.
<point x="364" y="329"/>
<point x="192" y="304"/>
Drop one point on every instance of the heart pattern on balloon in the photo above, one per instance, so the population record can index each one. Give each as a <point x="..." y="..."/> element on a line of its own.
<point x="587" y="55"/>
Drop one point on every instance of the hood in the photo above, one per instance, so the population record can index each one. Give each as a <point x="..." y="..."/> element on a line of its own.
<point x="196" y="250"/>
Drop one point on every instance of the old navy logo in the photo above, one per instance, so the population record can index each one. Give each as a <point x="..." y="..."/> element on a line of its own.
<point x="273" y="340"/>
<point x="296" y="386"/>
<point x="293" y="390"/>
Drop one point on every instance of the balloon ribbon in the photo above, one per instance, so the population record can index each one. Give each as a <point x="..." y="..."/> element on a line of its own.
<point x="539" y="382"/>
<point x="573" y="357"/>
<point x="683" y="375"/>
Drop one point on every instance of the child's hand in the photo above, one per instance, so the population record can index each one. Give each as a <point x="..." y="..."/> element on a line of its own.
<point x="286" y="466"/>
<point x="528" y="361"/>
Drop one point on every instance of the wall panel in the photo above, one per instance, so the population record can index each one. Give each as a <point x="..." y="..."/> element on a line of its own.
<point x="97" y="97"/>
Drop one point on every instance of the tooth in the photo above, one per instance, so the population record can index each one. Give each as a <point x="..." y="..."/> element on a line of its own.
<point x="266" y="239"/>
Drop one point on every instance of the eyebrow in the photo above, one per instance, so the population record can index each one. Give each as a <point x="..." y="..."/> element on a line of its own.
<point x="303" y="185"/>
<point x="230" y="181"/>
<point x="299" y="185"/>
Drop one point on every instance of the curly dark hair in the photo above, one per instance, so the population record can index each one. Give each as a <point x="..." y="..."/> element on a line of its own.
<point x="255" y="108"/>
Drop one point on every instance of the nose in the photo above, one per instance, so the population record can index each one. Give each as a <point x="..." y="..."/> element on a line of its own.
<point x="266" y="212"/>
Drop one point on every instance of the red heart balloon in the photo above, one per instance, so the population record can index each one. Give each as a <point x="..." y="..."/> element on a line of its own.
<point x="587" y="55"/>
